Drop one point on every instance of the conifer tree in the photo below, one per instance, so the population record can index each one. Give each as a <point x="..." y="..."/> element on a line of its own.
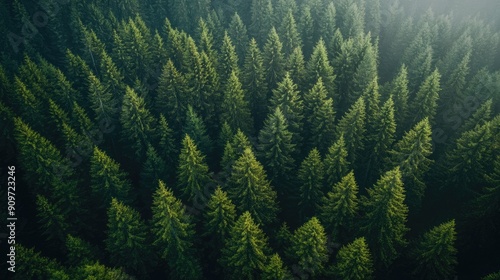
<point x="319" y="66"/>
<point x="275" y="146"/>
<point x="233" y="149"/>
<point x="254" y="82"/>
<point x="192" y="171"/>
<point x="287" y="98"/>
<point x="127" y="238"/>
<point x="228" y="61"/>
<point x="250" y="190"/>
<point x="197" y="131"/>
<point x="78" y="71"/>
<point x="309" y="247"/>
<point x="435" y="255"/>
<point x="275" y="269"/>
<point x="173" y="233"/>
<point x="52" y="220"/>
<point x="366" y="71"/>
<point x="310" y="176"/>
<point x="352" y="126"/>
<point x="206" y="41"/>
<point x="306" y="28"/>
<point x="320" y="117"/>
<point x="289" y="34"/>
<point x="107" y="180"/>
<point x="245" y="253"/>
<point x="137" y="123"/>
<point x="80" y="251"/>
<point x="111" y="77"/>
<point x="261" y="18"/>
<point x="102" y="101"/>
<point x="354" y="261"/>
<point x="340" y="206"/>
<point x="166" y="147"/>
<point x="424" y="105"/>
<point x="219" y="217"/>
<point x="153" y="169"/>
<point x="327" y="26"/>
<point x="384" y="222"/>
<point x="400" y="93"/>
<point x="40" y="267"/>
<point x="353" y="23"/>
<point x="206" y="86"/>
<point x="274" y="61"/>
<point x="479" y="117"/>
<point x="238" y="33"/>
<point x="336" y="164"/>
<point x="411" y="154"/>
<point x="296" y="67"/>
<point x="235" y="108"/>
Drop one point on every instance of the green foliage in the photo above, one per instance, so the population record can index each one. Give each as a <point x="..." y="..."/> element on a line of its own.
<point x="352" y="126"/>
<point x="34" y="266"/>
<point x="250" y="190"/>
<point x="235" y="107"/>
<point x="228" y="60"/>
<point x="400" y="93"/>
<point x="339" y="207"/>
<point x="354" y="261"/>
<point x="127" y="238"/>
<point x="435" y="255"/>
<point x="245" y="252"/>
<point x="219" y="216"/>
<point x="424" y="105"/>
<point x="318" y="66"/>
<point x="261" y="19"/>
<point x="174" y="235"/>
<point x="336" y="164"/>
<point x="233" y="149"/>
<point x="274" y="60"/>
<point x="253" y="80"/>
<point x="309" y="247"/>
<point x="238" y="33"/>
<point x="103" y="102"/>
<point x="310" y="177"/>
<point x="197" y="131"/>
<point x="79" y="251"/>
<point x="275" y="269"/>
<point x="289" y="34"/>
<point x="384" y="222"/>
<point x="99" y="271"/>
<point x="51" y="219"/>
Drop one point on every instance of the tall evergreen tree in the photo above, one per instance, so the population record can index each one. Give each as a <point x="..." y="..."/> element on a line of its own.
<point x="275" y="269"/>
<point x="173" y="233"/>
<point x="238" y="33"/>
<point x="354" y="261"/>
<point x="102" y="101"/>
<point x="296" y="67"/>
<point x="246" y="249"/>
<point x="310" y="177"/>
<point x="424" y="105"/>
<point x="219" y="217"/>
<point x="319" y="66"/>
<point x="250" y="190"/>
<point x="274" y="61"/>
<point x="309" y="247"/>
<point x="52" y="220"/>
<point x="261" y="19"/>
<point x="340" y="206"/>
<point x="127" y="240"/>
<point x="192" y="171"/>
<point x="233" y="150"/>
<point x="400" y="93"/>
<point x="336" y="164"/>
<point x="153" y="169"/>
<point x="384" y="222"/>
<point x="235" y="107"/>
<point x="228" y="60"/>
<point x="352" y="126"/>
<point x="289" y="34"/>
<point x="166" y="147"/>
<point x="197" y="131"/>
<point x="435" y="255"/>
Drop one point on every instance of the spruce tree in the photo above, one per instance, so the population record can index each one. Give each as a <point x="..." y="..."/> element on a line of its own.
<point x="424" y="105"/>
<point x="153" y="169"/>
<point x="400" y="93"/>
<point x="245" y="253"/>
<point x="339" y="207"/>
<point x="173" y="233"/>
<point x="197" y="131"/>
<point x="52" y="220"/>
<point x="166" y="147"/>
<point x="127" y="238"/>
<point x="233" y="149"/>
<point x="261" y="19"/>
<point x="354" y="261"/>
<point x="80" y="251"/>
<point x="309" y="247"/>
<point x="107" y="180"/>
<point x="295" y="66"/>
<point x="385" y="217"/>
<point x="274" y="61"/>
<point x="192" y="171"/>
<point x="435" y="254"/>
<point x="310" y="177"/>
<point x="235" y="108"/>
<point x="352" y="126"/>
<point x="228" y="60"/>
<point x="289" y="34"/>
<point x="275" y="269"/>
<point x="319" y="117"/>
<point x="275" y="146"/>
<point x="250" y="190"/>
<point x="319" y="66"/>
<point x="411" y="154"/>
<point x="238" y="33"/>
<point x="336" y="164"/>
<point x="102" y="101"/>
<point x="306" y="28"/>
<point x="219" y="218"/>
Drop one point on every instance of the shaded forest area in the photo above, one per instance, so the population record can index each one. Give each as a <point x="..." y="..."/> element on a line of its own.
<point x="263" y="139"/>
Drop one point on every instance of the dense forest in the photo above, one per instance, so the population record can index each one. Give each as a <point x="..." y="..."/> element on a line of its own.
<point x="263" y="139"/>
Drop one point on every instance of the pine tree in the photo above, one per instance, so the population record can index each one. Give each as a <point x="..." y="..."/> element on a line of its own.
<point x="309" y="247"/>
<point x="173" y="233"/>
<point x="238" y="33"/>
<point x="352" y="21"/>
<point x="275" y="269"/>
<point x="197" y="131"/>
<point x="366" y="71"/>
<point x="424" y="105"/>
<point x="102" y="101"/>
<point x="235" y="108"/>
<point x="166" y="147"/>
<point x="233" y="150"/>
<point x="400" y="93"/>
<point x="336" y="164"/>
<point x="320" y="117"/>
<point x="127" y="238"/>
<point x="384" y="222"/>
<point x="339" y="207"/>
<point x="192" y="171"/>
<point x="306" y="28"/>
<point x="153" y="169"/>
<point x="245" y="253"/>
<point x="274" y="61"/>
<point x="327" y="26"/>
<point x="111" y="77"/>
<point x="107" y="180"/>
<point x="79" y="251"/>
<point x="228" y="60"/>
<point x="352" y="126"/>
<point x="250" y="190"/>
<point x="206" y="41"/>
<point x="435" y="255"/>
<point x="287" y="98"/>
<point x="219" y="217"/>
<point x="39" y="267"/>
<point x="411" y="154"/>
<point x="261" y="19"/>
<point x="319" y="66"/>
<point x="479" y="117"/>
<point x="99" y="271"/>
<point x="310" y="177"/>
<point x="137" y="123"/>
<point x="295" y="66"/>
<point x="52" y="220"/>
<point x="253" y="80"/>
<point x="354" y="261"/>
<point x="289" y="34"/>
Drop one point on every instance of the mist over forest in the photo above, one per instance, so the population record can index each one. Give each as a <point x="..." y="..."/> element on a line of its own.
<point x="258" y="139"/>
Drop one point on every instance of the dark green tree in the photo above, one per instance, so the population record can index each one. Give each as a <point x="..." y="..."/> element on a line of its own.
<point x="354" y="261"/>
<point x="197" y="131"/>
<point x="385" y="217"/>
<point x="219" y="217"/>
<point x="310" y="177"/>
<point x="309" y="247"/>
<point x="228" y="60"/>
<point x="235" y="108"/>
<point x="296" y="67"/>
<point x="274" y="61"/>
<point x="290" y="37"/>
<point x="52" y="220"/>
<point x="435" y="254"/>
<point x="173" y="233"/>
<point x="319" y="66"/>
<point x="261" y="19"/>
<point x="424" y="105"/>
<point x="233" y="150"/>
<point x="250" y="190"/>
<point x="400" y="93"/>
<point x="352" y="126"/>
<point x="153" y="169"/>
<point x="79" y="251"/>
<point x="336" y="164"/>
<point x="238" y="33"/>
<point x="103" y="102"/>
<point x="275" y="269"/>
